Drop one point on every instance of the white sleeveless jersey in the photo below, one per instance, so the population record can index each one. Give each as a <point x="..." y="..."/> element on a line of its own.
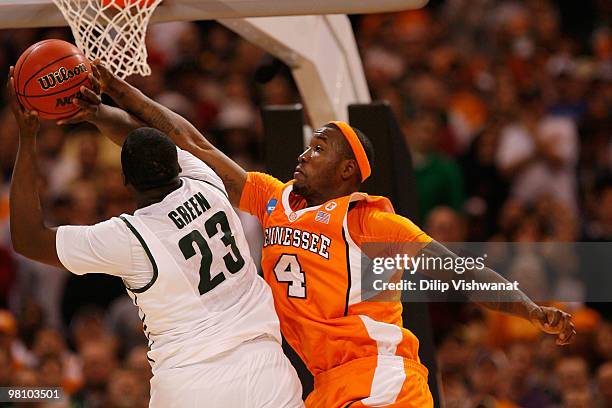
<point x="205" y="296"/>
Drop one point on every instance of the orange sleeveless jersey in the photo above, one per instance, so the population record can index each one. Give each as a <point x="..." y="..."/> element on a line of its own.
<point x="311" y="259"/>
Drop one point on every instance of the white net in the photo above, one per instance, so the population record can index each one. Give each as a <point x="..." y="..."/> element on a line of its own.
<point x="111" y="30"/>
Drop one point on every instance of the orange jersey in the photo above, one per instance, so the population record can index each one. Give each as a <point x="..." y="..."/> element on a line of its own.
<point x="312" y="260"/>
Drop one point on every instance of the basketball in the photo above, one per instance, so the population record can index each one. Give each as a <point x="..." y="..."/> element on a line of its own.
<point x="48" y="75"/>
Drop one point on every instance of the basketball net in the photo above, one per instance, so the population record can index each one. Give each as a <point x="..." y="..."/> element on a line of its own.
<point x="111" y="30"/>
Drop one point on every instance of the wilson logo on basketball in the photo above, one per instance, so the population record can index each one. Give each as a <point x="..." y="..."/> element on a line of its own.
<point x="60" y="76"/>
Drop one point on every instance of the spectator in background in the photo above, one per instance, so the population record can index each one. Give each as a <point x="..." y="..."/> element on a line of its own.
<point x="600" y="227"/>
<point x="486" y="188"/>
<point x="125" y="390"/>
<point x="6" y="367"/>
<point x="445" y="225"/>
<point x="487" y="381"/>
<point x="99" y="363"/>
<point x="51" y="353"/>
<point x="138" y="362"/>
<point x="573" y="376"/>
<point x="7" y="276"/>
<point x="604" y="385"/>
<point x="526" y="388"/>
<point x="603" y="342"/>
<point x="538" y="154"/>
<point x="438" y="178"/>
<point x="577" y="399"/>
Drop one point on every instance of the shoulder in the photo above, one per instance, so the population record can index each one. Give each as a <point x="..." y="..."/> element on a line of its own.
<point x="194" y="168"/>
<point x="375" y="220"/>
<point x="368" y="210"/>
<point x="103" y="247"/>
<point x="113" y="227"/>
<point x="263" y="181"/>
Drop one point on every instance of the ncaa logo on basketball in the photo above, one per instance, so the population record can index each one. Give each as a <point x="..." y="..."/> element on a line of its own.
<point x="52" y="79"/>
<point x="67" y="100"/>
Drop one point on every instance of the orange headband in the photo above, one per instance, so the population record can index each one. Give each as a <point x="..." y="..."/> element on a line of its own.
<point x="356" y="147"/>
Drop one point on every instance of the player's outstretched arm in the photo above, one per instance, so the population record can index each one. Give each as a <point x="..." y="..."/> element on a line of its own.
<point x="548" y="319"/>
<point x="112" y="122"/>
<point x="183" y="133"/>
<point x="29" y="235"/>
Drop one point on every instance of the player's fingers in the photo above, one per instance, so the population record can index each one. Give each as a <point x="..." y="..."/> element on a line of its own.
<point x="553" y="316"/>
<point x="31" y="116"/>
<point x="15" y="105"/>
<point x="102" y="70"/>
<point x="86" y="106"/>
<point x="568" y="326"/>
<point x="78" y="118"/>
<point x="10" y="87"/>
<point x="565" y="338"/>
<point x="539" y="318"/>
<point x="10" y="83"/>
<point x="566" y="329"/>
<point x="95" y="84"/>
<point x="90" y="96"/>
<point x="95" y="63"/>
<point x="96" y="72"/>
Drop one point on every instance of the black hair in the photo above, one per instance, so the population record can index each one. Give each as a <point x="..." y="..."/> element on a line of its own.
<point x="149" y="159"/>
<point x="365" y="141"/>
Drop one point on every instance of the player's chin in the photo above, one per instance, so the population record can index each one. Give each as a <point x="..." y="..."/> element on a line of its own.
<point x="299" y="186"/>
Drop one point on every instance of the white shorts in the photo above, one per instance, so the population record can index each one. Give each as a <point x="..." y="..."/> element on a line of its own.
<point x="256" y="374"/>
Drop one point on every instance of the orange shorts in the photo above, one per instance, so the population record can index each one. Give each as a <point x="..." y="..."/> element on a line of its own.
<point x="380" y="381"/>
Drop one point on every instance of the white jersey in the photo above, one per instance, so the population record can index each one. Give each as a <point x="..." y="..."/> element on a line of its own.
<point x="203" y="295"/>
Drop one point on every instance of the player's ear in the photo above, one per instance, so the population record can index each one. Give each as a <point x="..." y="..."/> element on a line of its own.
<point x="349" y="168"/>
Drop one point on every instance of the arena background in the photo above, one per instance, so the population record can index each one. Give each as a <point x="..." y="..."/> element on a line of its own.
<point x="471" y="84"/>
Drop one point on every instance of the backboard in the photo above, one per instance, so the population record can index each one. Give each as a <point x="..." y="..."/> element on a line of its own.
<point x="43" y="13"/>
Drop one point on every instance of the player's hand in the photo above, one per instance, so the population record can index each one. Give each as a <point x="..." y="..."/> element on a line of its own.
<point x="89" y="102"/>
<point x="104" y="77"/>
<point x="554" y="321"/>
<point x="28" y="121"/>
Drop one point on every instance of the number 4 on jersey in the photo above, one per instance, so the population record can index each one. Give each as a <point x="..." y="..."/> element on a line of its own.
<point x="288" y="269"/>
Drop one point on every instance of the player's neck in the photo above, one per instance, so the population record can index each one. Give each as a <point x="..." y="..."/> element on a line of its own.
<point x="155" y="195"/>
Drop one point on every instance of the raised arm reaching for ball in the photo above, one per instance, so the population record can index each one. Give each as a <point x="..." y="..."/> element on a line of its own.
<point x="116" y="123"/>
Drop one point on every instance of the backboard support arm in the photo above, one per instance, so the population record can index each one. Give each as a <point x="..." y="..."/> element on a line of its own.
<point x="322" y="54"/>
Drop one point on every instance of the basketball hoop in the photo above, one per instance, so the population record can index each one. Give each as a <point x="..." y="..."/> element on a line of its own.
<point x="111" y="30"/>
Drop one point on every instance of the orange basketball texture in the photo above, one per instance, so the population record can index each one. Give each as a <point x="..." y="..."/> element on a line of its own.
<point x="48" y="75"/>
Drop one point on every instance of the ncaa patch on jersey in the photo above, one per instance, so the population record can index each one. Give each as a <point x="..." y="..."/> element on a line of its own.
<point x="271" y="205"/>
<point x="322" y="217"/>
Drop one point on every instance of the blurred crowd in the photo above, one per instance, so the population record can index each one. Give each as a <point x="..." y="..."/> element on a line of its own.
<point x="506" y="107"/>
